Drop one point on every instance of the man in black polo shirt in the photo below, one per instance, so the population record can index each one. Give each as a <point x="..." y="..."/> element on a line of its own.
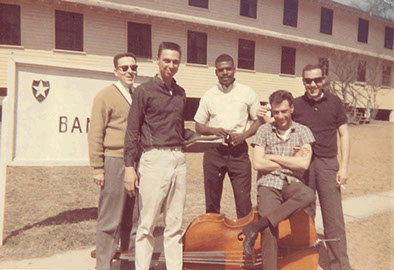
<point x="325" y="115"/>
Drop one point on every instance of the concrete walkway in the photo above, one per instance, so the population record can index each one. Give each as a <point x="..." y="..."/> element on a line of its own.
<point x="355" y="210"/>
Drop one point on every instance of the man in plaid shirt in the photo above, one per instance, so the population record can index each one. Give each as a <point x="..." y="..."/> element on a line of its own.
<point x="282" y="152"/>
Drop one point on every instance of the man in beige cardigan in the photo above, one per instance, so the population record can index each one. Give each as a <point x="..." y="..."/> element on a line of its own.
<point x="105" y="138"/>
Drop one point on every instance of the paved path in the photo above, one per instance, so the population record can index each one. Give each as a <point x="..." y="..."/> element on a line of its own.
<point x="355" y="210"/>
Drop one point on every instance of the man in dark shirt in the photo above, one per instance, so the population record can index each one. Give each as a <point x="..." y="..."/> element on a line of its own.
<point x="156" y="127"/>
<point x="325" y="115"/>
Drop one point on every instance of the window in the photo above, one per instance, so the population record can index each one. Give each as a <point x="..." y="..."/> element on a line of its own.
<point x="290" y="12"/>
<point x="361" y="71"/>
<point x="325" y="64"/>
<point x="246" y="54"/>
<point x="363" y="30"/>
<point x="199" y="3"/>
<point x="386" y="75"/>
<point x="326" y="20"/>
<point x="3" y="91"/>
<point x="196" y="47"/>
<point x="248" y="8"/>
<point x="68" y="30"/>
<point x="388" y="38"/>
<point x="10" y="24"/>
<point x="139" y="39"/>
<point x="287" y="65"/>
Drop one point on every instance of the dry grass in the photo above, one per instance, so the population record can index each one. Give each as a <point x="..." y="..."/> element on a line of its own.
<point x="52" y="209"/>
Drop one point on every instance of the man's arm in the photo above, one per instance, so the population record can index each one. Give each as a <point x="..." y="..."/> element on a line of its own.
<point x="98" y="122"/>
<point x="344" y="143"/>
<point x="131" y="142"/>
<point x="237" y="138"/>
<point x="205" y="130"/>
<point x="299" y="162"/>
<point x="261" y="163"/>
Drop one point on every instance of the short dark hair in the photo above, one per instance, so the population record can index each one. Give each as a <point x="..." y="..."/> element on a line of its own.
<point x="224" y="58"/>
<point x="166" y="45"/>
<point x="120" y="55"/>
<point x="281" y="95"/>
<point x="312" y="67"/>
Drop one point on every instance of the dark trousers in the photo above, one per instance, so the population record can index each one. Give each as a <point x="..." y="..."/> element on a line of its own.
<point x="322" y="178"/>
<point x="278" y="205"/>
<point x="234" y="161"/>
<point x="117" y="215"/>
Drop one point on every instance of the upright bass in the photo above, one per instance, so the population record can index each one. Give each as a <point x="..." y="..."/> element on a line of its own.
<point x="214" y="242"/>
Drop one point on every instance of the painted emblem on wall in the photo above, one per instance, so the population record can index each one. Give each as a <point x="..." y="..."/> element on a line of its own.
<point x="40" y="90"/>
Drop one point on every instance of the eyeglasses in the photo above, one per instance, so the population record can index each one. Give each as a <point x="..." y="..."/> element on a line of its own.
<point x="126" y="68"/>
<point x="316" y="80"/>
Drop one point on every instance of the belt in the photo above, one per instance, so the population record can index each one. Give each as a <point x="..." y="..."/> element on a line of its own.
<point x="164" y="148"/>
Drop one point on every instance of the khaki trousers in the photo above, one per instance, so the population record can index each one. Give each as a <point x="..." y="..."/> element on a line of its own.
<point x="162" y="186"/>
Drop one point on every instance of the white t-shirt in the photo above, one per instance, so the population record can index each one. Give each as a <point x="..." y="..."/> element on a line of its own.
<point x="230" y="108"/>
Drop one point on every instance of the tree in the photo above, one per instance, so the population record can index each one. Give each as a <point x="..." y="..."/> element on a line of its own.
<point x="356" y="80"/>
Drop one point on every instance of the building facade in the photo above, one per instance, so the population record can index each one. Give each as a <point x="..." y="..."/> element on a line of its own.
<point x="270" y="40"/>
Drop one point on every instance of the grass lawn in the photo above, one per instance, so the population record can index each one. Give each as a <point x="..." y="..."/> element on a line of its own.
<point x="52" y="209"/>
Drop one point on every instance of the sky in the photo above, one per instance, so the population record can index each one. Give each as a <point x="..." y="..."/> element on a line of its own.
<point x="389" y="5"/>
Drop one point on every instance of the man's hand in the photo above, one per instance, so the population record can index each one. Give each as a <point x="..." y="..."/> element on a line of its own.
<point x="301" y="151"/>
<point x="99" y="179"/>
<point x="237" y="138"/>
<point x="263" y="110"/>
<point x="342" y="177"/>
<point x="220" y="132"/>
<point x="130" y="181"/>
<point x="262" y="113"/>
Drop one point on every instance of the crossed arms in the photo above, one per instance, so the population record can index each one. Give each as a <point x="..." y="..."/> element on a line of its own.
<point x="270" y="162"/>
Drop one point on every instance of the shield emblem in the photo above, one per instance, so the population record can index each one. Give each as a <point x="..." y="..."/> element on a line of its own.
<point x="40" y="90"/>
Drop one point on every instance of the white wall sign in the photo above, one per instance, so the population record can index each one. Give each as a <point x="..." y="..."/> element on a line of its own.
<point x="45" y="116"/>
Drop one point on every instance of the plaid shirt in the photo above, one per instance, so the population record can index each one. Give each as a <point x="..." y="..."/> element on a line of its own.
<point x="267" y="138"/>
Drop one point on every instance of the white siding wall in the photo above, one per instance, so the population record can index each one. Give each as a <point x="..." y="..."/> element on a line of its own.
<point x="105" y="34"/>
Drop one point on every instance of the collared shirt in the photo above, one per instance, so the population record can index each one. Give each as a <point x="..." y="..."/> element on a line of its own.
<point x="323" y="117"/>
<point x="230" y="108"/>
<point x="155" y="119"/>
<point x="268" y="138"/>
<point x="125" y="91"/>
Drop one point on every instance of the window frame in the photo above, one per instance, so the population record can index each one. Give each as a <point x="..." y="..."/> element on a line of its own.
<point x="12" y="28"/>
<point x="284" y="61"/>
<point x="363" y="30"/>
<point x="194" y="52"/>
<point x="290" y="15"/>
<point x="388" y="42"/>
<point x="199" y="3"/>
<point x="66" y="23"/>
<point x="246" y="61"/>
<point x="326" y="20"/>
<point x="144" y="34"/>
<point x="250" y="12"/>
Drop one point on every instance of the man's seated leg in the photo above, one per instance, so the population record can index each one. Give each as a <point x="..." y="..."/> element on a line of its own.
<point x="274" y="206"/>
<point x="268" y="199"/>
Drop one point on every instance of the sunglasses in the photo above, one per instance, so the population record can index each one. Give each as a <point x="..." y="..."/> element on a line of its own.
<point x="316" y="80"/>
<point x="126" y="68"/>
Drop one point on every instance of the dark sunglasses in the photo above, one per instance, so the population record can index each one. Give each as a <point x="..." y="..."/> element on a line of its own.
<point x="316" y="80"/>
<point x="126" y="68"/>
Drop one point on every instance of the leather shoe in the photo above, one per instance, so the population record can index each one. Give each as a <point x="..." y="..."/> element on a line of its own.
<point x="116" y="256"/>
<point x="248" y="243"/>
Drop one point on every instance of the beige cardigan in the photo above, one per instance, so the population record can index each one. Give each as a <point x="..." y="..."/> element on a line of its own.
<point x="108" y="124"/>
